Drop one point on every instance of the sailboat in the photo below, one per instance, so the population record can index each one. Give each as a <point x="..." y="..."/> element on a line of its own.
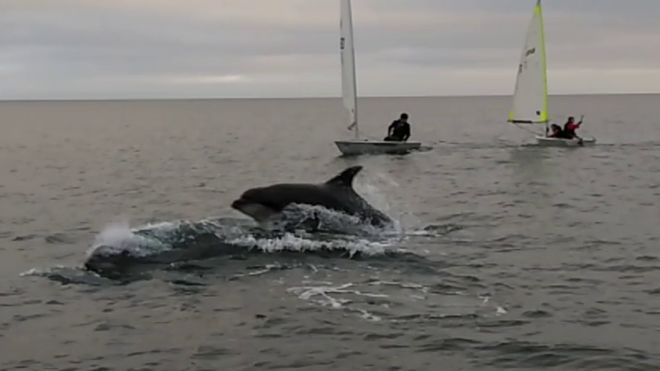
<point x="530" y="99"/>
<point x="358" y="145"/>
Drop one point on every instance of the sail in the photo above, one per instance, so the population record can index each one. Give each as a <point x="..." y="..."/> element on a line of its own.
<point x="530" y="101"/>
<point x="347" y="50"/>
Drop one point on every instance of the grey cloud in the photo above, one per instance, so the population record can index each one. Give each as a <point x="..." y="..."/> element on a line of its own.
<point x="132" y="48"/>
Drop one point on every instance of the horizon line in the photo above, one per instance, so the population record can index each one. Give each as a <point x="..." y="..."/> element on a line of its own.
<point x="296" y="98"/>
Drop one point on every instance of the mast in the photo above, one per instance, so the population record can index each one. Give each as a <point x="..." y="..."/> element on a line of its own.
<point x="544" y="63"/>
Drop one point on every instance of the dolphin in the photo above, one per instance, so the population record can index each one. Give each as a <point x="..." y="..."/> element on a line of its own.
<point x="186" y="245"/>
<point x="336" y="194"/>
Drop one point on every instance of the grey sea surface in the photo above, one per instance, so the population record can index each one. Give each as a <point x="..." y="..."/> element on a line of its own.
<point x="505" y="255"/>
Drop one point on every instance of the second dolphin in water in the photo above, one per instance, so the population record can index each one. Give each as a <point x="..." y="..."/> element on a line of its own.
<point x="336" y="194"/>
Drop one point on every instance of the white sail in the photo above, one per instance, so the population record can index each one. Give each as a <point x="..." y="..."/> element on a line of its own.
<point x="530" y="101"/>
<point x="349" y="84"/>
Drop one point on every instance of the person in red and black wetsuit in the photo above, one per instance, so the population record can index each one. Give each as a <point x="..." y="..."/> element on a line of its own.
<point x="570" y="127"/>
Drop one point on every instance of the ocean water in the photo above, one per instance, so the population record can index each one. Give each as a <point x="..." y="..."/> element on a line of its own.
<point x="505" y="256"/>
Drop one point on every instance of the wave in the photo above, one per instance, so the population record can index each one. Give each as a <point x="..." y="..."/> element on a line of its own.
<point x="118" y="249"/>
<point x="123" y="253"/>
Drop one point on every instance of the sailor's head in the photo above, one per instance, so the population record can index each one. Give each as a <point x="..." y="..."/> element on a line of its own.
<point x="556" y="127"/>
<point x="571" y="119"/>
<point x="404" y="116"/>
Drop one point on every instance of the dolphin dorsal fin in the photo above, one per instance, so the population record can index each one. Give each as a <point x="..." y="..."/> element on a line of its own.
<point x="345" y="178"/>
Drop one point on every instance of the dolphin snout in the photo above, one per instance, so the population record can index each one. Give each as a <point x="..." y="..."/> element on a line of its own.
<point x="237" y="204"/>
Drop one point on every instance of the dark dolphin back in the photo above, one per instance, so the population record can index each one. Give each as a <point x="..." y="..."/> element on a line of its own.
<point x="345" y="178"/>
<point x="342" y="186"/>
<point x="278" y="196"/>
<point x="335" y="194"/>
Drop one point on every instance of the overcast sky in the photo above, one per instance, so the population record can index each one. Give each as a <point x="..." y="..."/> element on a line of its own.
<point x="94" y="49"/>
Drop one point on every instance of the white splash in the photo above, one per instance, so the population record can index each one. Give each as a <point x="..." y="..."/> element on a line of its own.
<point x="405" y="285"/>
<point x="291" y="242"/>
<point x="307" y="292"/>
<point x="118" y="238"/>
<point x="371" y="190"/>
<point x="333" y="221"/>
<point x="321" y="296"/>
<point x="40" y="271"/>
<point x="368" y="316"/>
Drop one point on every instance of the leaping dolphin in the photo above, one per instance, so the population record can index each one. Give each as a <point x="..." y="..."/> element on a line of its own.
<point x="336" y="194"/>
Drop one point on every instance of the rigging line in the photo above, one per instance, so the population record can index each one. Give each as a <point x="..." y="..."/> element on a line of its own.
<point x="527" y="129"/>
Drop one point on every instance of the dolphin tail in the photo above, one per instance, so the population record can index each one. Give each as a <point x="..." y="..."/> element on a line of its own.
<point x="345" y="178"/>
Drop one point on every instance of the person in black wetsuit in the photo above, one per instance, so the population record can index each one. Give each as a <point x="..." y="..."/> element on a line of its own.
<point x="399" y="130"/>
<point x="557" y="132"/>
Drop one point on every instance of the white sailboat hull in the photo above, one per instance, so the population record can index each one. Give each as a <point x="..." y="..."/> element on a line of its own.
<point x="364" y="147"/>
<point x="561" y="142"/>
